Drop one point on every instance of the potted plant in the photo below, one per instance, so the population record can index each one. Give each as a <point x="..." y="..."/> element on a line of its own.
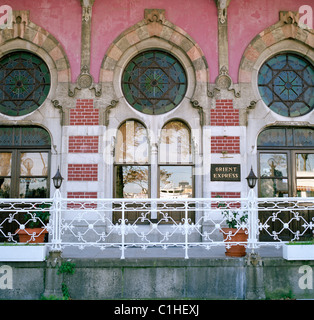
<point x="299" y="250"/>
<point x="236" y="231"/>
<point x="34" y="228"/>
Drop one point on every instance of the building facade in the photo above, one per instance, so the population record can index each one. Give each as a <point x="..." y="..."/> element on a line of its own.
<point x="152" y="99"/>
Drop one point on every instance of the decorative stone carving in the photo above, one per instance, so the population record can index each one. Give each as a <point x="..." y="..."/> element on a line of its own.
<point x="87" y="9"/>
<point x="222" y="6"/>
<point x="85" y="81"/>
<point x="289" y="17"/>
<point x="252" y="104"/>
<point x="223" y="82"/>
<point x="154" y="15"/>
<point x="196" y="105"/>
<point x="113" y="104"/>
<point x="20" y="20"/>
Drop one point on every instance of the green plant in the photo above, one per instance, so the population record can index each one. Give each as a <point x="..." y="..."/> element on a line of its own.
<point x="66" y="267"/>
<point x="309" y="241"/>
<point x="65" y="291"/>
<point x="233" y="218"/>
<point x="37" y="219"/>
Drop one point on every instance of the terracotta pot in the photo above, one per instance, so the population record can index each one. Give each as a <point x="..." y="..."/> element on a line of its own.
<point x="26" y="234"/>
<point x="236" y="236"/>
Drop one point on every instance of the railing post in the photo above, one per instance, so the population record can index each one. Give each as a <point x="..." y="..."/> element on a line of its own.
<point x="253" y="220"/>
<point x="122" y="231"/>
<point x="56" y="222"/>
<point x="186" y="230"/>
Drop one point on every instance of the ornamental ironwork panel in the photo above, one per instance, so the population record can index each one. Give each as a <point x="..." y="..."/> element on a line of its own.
<point x="154" y="82"/>
<point x="286" y="84"/>
<point x="24" y="83"/>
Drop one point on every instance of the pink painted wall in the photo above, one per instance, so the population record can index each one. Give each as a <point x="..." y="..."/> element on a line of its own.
<point x="61" y="18"/>
<point x="246" y="18"/>
<point x="197" y="18"/>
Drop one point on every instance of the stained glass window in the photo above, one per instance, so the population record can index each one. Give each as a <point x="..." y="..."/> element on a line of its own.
<point x="286" y="137"/>
<point x="154" y="82"/>
<point x="24" y="83"/>
<point x="24" y="137"/>
<point x="286" y="84"/>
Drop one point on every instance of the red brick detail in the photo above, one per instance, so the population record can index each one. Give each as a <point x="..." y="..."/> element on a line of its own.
<point x="84" y="114"/>
<point x="82" y="205"/>
<point x="82" y="195"/>
<point x="83" y="144"/>
<point x="82" y="172"/>
<point x="221" y="144"/>
<point x="225" y="194"/>
<point x="224" y="114"/>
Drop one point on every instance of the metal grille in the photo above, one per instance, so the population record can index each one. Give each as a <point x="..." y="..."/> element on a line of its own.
<point x="85" y="223"/>
<point x="286" y="84"/>
<point x="24" y="83"/>
<point x="154" y="82"/>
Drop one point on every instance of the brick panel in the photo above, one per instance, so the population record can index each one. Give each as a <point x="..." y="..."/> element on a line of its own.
<point x="220" y="144"/>
<point x="83" y="144"/>
<point x="82" y="195"/>
<point x="82" y="172"/>
<point x="84" y="113"/>
<point x="226" y="194"/>
<point x="82" y="205"/>
<point x="224" y="114"/>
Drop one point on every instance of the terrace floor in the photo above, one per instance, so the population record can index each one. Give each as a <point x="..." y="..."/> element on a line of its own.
<point x="171" y="252"/>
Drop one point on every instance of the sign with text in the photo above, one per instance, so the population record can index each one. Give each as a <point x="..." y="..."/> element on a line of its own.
<point x="225" y="172"/>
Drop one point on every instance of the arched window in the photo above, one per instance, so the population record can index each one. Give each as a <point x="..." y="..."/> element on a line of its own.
<point x="131" y="161"/>
<point x="24" y="83"/>
<point x="24" y="162"/>
<point x="175" y="161"/>
<point x="286" y="84"/>
<point x="286" y="162"/>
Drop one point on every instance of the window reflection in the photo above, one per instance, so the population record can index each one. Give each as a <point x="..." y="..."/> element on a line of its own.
<point x="176" y="182"/>
<point x="33" y="188"/>
<point x="273" y="165"/>
<point x="273" y="174"/>
<point x="175" y="144"/>
<point x="131" y="143"/>
<point x="131" y="182"/>
<point x="5" y="174"/>
<point x="34" y="164"/>
<point x="305" y="170"/>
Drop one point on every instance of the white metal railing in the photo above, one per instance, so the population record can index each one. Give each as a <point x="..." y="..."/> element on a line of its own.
<point x="163" y="223"/>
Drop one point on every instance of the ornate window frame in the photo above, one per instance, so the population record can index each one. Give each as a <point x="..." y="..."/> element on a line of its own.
<point x="286" y="46"/>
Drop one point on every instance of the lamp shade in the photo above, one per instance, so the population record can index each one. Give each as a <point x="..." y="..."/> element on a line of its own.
<point x="251" y="179"/>
<point x="57" y="179"/>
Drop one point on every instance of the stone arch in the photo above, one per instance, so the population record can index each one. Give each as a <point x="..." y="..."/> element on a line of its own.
<point x="287" y="28"/>
<point x="155" y="26"/>
<point x="24" y="29"/>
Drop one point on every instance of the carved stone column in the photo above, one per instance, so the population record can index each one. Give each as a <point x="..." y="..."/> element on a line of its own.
<point x="86" y="32"/>
<point x="85" y="79"/>
<point x="223" y="81"/>
<point x="222" y="6"/>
